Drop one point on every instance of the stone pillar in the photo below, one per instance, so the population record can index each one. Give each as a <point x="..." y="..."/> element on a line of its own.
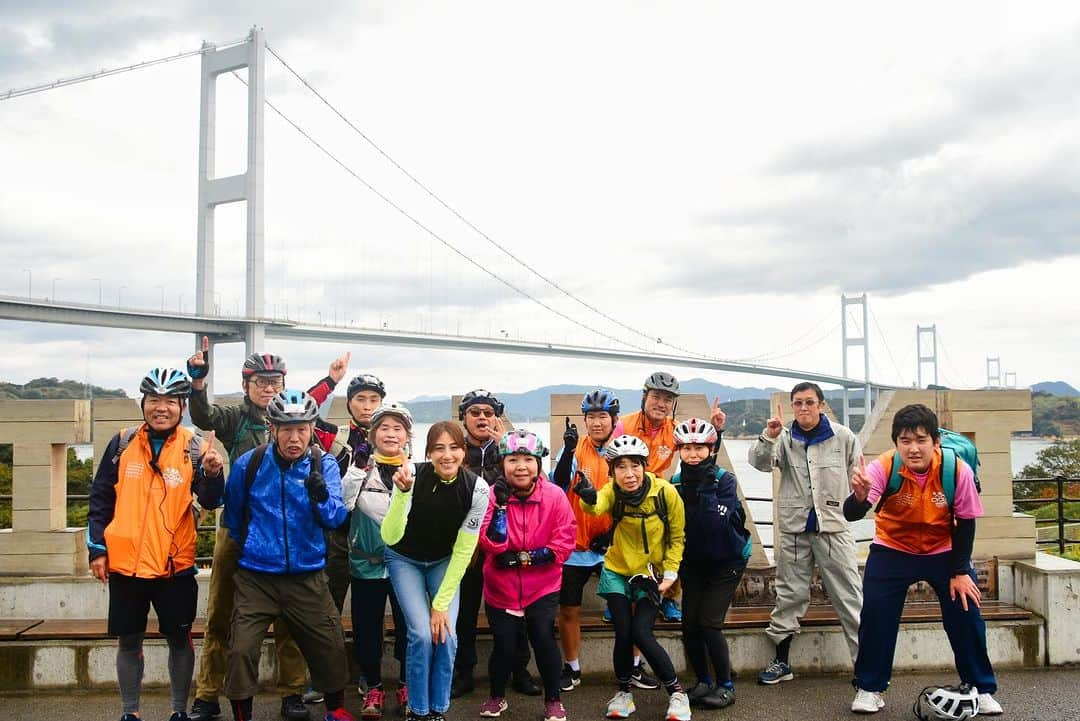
<point x="39" y="541"/>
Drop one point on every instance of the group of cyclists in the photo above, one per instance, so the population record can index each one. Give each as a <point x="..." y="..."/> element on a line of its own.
<point x="314" y="512"/>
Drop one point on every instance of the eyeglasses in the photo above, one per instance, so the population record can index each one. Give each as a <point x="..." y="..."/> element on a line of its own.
<point x="478" y="413"/>
<point x="274" y="382"/>
<point x="802" y="404"/>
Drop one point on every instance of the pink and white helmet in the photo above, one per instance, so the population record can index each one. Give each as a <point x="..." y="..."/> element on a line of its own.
<point x="522" y="441"/>
<point x="695" y="430"/>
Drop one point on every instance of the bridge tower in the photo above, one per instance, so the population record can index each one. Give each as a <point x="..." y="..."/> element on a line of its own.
<point x="849" y="340"/>
<point x="926" y="353"/>
<point x="993" y="371"/>
<point x="247" y="187"/>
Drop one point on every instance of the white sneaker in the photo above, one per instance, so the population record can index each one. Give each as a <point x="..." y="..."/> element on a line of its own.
<point x="621" y="705"/>
<point x="988" y="706"/>
<point x="867" y="702"/>
<point x="678" y="707"/>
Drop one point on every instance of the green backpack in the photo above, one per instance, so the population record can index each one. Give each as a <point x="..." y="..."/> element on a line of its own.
<point x="954" y="447"/>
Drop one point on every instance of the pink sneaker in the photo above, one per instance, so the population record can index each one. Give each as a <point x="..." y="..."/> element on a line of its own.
<point x="493" y="707"/>
<point x="554" y="711"/>
<point x="340" y="715"/>
<point x="373" y="704"/>
<point x="402" y="698"/>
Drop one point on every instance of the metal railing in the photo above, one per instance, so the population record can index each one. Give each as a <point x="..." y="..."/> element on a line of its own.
<point x="1058" y="500"/>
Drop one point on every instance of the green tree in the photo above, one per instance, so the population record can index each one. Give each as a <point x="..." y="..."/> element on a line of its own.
<point x="1062" y="458"/>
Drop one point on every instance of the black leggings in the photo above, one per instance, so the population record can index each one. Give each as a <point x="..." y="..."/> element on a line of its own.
<point x="634" y="627"/>
<point x="507" y="629"/>
<point x="368" y="614"/>
<point x="707" y="594"/>
<point x="471" y="593"/>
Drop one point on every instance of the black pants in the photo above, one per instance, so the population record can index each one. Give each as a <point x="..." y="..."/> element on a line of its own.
<point x="634" y="627"/>
<point x="369" y="598"/>
<point x="707" y="594"/>
<point x="472" y="593"/>
<point x="539" y="625"/>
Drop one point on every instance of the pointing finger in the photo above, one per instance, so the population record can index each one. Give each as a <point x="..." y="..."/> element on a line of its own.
<point x="862" y="463"/>
<point x="348" y="356"/>
<point x="716" y="403"/>
<point x="210" y="439"/>
<point x="205" y="344"/>
<point x="780" y="412"/>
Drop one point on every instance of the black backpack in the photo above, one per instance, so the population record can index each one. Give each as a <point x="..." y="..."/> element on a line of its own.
<point x="660" y="509"/>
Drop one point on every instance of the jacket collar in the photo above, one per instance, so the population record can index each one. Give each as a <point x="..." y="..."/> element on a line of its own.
<point x="824" y="432"/>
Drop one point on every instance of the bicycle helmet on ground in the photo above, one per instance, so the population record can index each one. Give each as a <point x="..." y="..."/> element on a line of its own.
<point x="947" y="703"/>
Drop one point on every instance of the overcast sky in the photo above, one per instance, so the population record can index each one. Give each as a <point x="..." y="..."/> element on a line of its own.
<point x="712" y="174"/>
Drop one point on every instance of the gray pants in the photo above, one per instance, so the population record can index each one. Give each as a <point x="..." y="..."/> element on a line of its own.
<point x="304" y="601"/>
<point x="834" y="554"/>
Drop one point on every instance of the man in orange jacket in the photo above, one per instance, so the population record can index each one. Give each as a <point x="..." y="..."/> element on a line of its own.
<point x="141" y="533"/>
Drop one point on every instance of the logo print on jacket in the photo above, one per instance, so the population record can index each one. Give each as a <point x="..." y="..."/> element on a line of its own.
<point x="172" y="477"/>
<point x="939" y="499"/>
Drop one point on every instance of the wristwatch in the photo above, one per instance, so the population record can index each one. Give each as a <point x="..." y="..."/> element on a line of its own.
<point x="524" y="558"/>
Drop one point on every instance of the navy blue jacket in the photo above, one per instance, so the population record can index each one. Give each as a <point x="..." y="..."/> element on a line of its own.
<point x="716" y="532"/>
<point x="285" y="532"/>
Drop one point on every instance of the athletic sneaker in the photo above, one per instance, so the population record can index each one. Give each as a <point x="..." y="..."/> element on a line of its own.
<point x="621" y="705"/>
<point x="340" y="715"/>
<point x="402" y="698"/>
<point x="569" y="678"/>
<point x="204" y="710"/>
<point x="643" y="680"/>
<point x="775" y="672"/>
<point x="669" y="609"/>
<point x="554" y="711"/>
<point x="720" y="697"/>
<point x="678" y="708"/>
<point x="698" y="692"/>
<point x="372" y="707"/>
<point x="313" y="696"/>
<point x="867" y="702"/>
<point x="179" y="716"/>
<point x="606" y="618"/>
<point x="435" y="716"/>
<point x="988" y="705"/>
<point x="129" y="717"/>
<point x="493" y="707"/>
<point x="293" y="708"/>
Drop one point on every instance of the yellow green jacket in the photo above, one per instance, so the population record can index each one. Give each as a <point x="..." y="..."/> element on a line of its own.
<point x="639" y="538"/>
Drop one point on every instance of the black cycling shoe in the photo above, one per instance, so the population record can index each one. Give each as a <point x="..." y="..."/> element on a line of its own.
<point x="461" y="685"/>
<point x="293" y="708"/>
<point x="204" y="710"/>
<point x="524" y="683"/>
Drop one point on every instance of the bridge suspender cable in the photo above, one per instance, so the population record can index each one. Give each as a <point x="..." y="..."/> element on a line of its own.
<point x="516" y="258"/>
<point x="75" y="80"/>
<point x="386" y="199"/>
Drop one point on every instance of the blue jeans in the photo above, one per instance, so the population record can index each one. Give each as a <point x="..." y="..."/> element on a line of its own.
<point x="429" y="667"/>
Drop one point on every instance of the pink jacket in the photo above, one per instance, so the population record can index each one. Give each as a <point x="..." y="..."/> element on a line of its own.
<point x="542" y="519"/>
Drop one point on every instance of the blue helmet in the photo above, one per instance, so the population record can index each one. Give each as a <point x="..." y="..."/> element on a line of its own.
<point x="292" y="406"/>
<point x="600" y="399"/>
<point x="165" y="382"/>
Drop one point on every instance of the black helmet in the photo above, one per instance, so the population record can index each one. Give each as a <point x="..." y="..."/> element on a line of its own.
<point x="165" y="382"/>
<point x="477" y="397"/>
<point x="661" y="381"/>
<point x="263" y="364"/>
<point x="290" y="406"/>
<point x="365" y="382"/>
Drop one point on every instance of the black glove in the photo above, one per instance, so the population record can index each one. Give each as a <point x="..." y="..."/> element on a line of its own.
<point x="585" y="489"/>
<point x="507" y="559"/>
<point x="570" y="436"/>
<point x="647" y="585"/>
<point x="316" y="486"/>
<point x="197" y="372"/>
<point x="501" y="491"/>
<point x="601" y="543"/>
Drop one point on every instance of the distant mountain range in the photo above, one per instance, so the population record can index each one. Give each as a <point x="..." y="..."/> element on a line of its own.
<point x="1055" y="388"/>
<point x="536" y="404"/>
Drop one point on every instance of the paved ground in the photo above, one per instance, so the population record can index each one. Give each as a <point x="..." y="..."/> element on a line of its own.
<point x="1027" y="695"/>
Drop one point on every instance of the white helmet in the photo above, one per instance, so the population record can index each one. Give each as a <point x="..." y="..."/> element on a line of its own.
<point x="947" y="703"/>
<point x="625" y="446"/>
<point x="390" y="408"/>
<point x="695" y="430"/>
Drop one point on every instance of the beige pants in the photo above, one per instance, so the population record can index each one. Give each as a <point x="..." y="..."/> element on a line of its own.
<point x="834" y="554"/>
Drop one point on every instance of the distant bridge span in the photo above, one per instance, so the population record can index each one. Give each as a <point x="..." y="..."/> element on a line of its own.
<point x="225" y="330"/>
